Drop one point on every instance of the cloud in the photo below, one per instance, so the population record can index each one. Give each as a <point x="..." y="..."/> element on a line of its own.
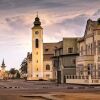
<point x="73" y="27"/>
<point x="55" y="27"/>
<point x="97" y="13"/>
<point x="10" y="7"/>
<point x="60" y="18"/>
<point x="15" y="31"/>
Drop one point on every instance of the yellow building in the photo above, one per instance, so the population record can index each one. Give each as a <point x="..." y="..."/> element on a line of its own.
<point x="88" y="62"/>
<point x="39" y="61"/>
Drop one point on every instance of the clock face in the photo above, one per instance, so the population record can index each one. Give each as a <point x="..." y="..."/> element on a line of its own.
<point x="36" y="32"/>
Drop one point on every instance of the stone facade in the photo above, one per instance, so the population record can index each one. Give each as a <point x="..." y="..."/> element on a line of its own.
<point x="64" y="59"/>
<point x="88" y="62"/>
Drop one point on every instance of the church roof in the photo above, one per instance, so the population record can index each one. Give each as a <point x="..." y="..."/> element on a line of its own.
<point x="49" y="48"/>
<point x="37" y="21"/>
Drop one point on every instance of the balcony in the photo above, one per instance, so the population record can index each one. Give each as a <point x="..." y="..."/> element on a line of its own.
<point x="85" y="58"/>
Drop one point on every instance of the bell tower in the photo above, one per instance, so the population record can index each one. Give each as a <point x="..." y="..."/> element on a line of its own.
<point x="37" y="50"/>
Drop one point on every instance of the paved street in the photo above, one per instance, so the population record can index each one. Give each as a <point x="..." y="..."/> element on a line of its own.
<point x="41" y="85"/>
<point x="39" y="90"/>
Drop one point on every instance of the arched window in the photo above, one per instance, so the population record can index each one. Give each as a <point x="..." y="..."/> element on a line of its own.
<point x="47" y="67"/>
<point x="37" y="43"/>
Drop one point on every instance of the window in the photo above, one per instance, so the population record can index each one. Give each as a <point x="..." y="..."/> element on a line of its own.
<point x="98" y="59"/>
<point x="36" y="53"/>
<point x="90" y="69"/>
<point x="56" y="63"/>
<point x="80" y="69"/>
<point x="91" y="48"/>
<point x="46" y="50"/>
<point x="36" y="32"/>
<point x="74" y="61"/>
<point x="37" y="43"/>
<point x="81" y="50"/>
<point x="98" y="50"/>
<point x="98" y="42"/>
<point x="98" y="46"/>
<point x="47" y="67"/>
<point x="94" y="47"/>
<point x="70" y="50"/>
<point x="86" y="49"/>
<point x="36" y="75"/>
<point x="99" y="70"/>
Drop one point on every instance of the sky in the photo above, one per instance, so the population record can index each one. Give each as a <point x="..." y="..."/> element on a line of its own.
<point x="59" y="18"/>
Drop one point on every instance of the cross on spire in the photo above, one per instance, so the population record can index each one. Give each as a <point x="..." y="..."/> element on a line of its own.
<point x="37" y="13"/>
<point x="37" y="21"/>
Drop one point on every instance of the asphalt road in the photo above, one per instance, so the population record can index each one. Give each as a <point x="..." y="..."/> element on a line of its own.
<point x="19" y="89"/>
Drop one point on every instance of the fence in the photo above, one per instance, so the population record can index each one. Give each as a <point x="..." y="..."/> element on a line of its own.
<point x="73" y="79"/>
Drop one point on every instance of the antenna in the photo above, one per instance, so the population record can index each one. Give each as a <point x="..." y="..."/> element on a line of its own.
<point x="37" y="13"/>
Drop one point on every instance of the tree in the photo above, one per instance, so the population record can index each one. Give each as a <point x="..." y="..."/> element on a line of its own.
<point x="24" y="66"/>
<point x="12" y="71"/>
<point x="17" y="74"/>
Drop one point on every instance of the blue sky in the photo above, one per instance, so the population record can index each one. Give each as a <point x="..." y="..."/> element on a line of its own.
<point x="60" y="18"/>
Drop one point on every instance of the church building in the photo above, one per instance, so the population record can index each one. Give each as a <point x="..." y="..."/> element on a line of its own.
<point x="2" y="70"/>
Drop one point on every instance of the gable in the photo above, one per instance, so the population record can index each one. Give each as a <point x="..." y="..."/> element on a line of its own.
<point x="90" y="26"/>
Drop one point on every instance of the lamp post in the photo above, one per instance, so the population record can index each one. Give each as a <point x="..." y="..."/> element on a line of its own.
<point x="58" y="71"/>
<point x="58" y="67"/>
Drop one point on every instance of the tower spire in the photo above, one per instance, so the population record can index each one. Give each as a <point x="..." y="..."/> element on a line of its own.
<point x="37" y="21"/>
<point x="3" y="64"/>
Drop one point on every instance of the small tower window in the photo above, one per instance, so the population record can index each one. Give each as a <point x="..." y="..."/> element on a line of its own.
<point x="37" y="53"/>
<point x="36" y="32"/>
<point x="36" y="75"/>
<point x="37" y="43"/>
